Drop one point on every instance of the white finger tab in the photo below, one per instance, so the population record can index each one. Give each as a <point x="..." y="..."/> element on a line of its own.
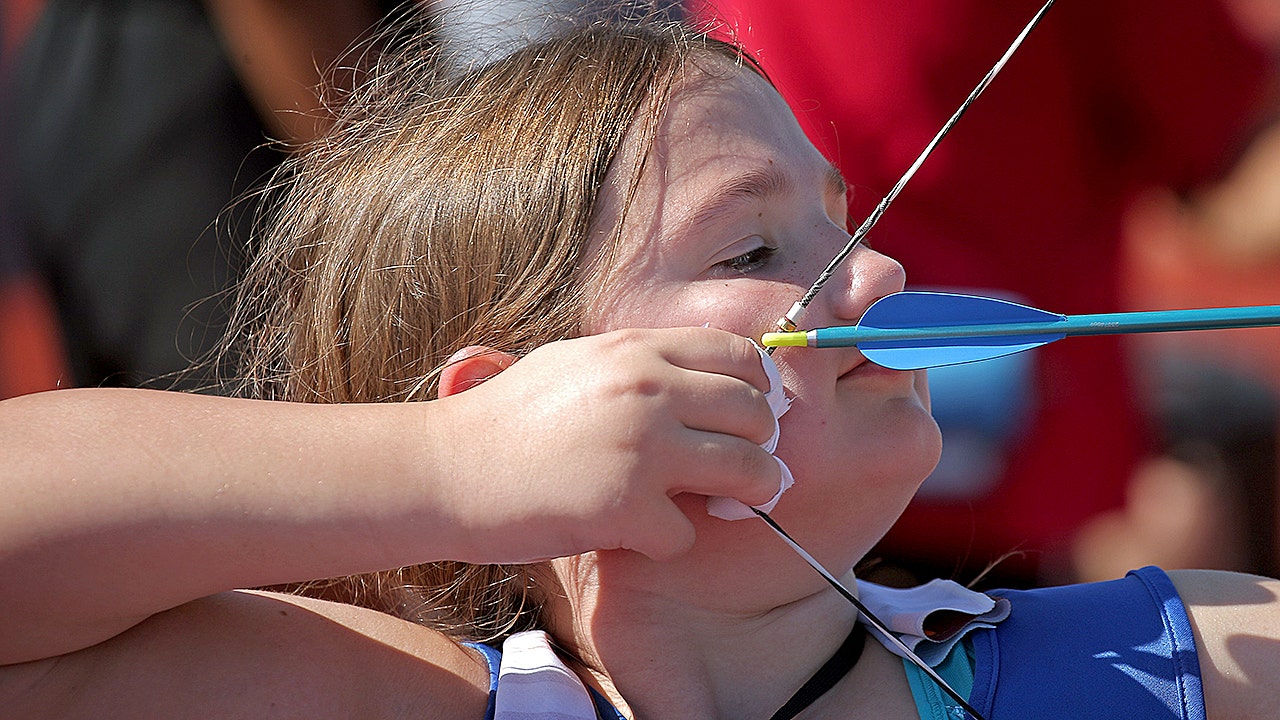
<point x="727" y="508"/>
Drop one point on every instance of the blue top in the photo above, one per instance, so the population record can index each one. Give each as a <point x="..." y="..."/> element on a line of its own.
<point x="1122" y="648"/>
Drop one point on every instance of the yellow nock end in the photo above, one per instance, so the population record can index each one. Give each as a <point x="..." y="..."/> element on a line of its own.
<point x="785" y="339"/>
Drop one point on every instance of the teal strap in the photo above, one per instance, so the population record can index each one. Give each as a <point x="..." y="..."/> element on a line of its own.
<point x="957" y="670"/>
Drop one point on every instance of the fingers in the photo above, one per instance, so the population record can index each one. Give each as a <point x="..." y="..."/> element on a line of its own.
<point x="710" y="394"/>
<point x="723" y="465"/>
<point x="676" y="536"/>
<point x="727" y="508"/>
<point x="671" y="411"/>
<point x="706" y="379"/>
<point x="721" y="404"/>
<point x="707" y="350"/>
<point x="732" y="474"/>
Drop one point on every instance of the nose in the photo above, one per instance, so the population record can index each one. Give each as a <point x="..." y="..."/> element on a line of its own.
<point x="862" y="278"/>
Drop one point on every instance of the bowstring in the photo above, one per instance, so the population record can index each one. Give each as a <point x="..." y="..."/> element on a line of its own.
<point x="866" y="613"/>
<point x="789" y="323"/>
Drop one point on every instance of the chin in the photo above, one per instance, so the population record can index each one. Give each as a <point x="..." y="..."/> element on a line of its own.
<point x="919" y="455"/>
<point x="901" y="441"/>
<point x="875" y="468"/>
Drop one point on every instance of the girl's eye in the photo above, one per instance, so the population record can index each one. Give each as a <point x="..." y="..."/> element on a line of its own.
<point x="750" y="260"/>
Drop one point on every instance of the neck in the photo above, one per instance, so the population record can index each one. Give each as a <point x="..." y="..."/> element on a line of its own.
<point x="713" y="655"/>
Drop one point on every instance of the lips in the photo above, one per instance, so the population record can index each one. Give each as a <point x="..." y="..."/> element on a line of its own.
<point x="858" y="363"/>
<point x="864" y="368"/>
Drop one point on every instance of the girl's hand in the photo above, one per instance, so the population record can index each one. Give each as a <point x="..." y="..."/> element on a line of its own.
<point x="582" y="444"/>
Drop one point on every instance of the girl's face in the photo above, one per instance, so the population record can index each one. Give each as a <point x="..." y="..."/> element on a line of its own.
<point x="735" y="215"/>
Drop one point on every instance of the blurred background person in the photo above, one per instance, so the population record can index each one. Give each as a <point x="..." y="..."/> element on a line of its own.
<point x="130" y="128"/>
<point x="31" y="353"/>
<point x="1207" y="496"/>
<point x="136" y="133"/>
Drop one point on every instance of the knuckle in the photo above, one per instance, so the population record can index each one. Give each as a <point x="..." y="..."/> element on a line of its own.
<point x="625" y="337"/>
<point x="765" y="423"/>
<point x="760" y="467"/>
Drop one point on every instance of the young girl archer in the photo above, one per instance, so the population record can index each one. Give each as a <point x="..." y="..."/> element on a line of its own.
<point x="617" y="186"/>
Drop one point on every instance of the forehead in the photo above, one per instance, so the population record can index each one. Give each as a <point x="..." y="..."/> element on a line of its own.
<point x="724" y="126"/>
<point x="724" y="120"/>
<point x="725" y="133"/>
<point x="724" y="148"/>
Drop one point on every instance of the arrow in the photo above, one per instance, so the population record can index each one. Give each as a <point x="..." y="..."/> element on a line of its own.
<point x="913" y="330"/>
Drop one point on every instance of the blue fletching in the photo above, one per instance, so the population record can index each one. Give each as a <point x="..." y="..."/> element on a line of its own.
<point x="918" y="310"/>
<point x="937" y="354"/>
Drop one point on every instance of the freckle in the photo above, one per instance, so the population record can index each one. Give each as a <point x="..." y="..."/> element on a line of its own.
<point x="285" y="613"/>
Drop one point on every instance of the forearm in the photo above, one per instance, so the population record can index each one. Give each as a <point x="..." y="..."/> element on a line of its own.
<point x="123" y="503"/>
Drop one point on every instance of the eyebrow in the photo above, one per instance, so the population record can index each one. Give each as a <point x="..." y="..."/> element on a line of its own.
<point x="759" y="184"/>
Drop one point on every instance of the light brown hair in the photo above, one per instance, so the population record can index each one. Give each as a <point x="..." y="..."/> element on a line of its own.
<point x="445" y="210"/>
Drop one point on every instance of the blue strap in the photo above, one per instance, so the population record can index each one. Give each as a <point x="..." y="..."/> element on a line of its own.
<point x="492" y="657"/>
<point x="931" y="702"/>
<point x="604" y="709"/>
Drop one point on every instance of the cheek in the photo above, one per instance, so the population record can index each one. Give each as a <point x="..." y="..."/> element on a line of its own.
<point x="922" y="388"/>
<point x="729" y="306"/>
<point x="624" y="303"/>
<point x="742" y="307"/>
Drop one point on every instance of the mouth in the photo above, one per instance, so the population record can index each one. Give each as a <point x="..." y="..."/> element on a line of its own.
<point x="859" y="363"/>
<point x="864" y="368"/>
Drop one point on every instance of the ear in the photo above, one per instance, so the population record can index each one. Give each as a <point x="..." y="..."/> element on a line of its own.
<point x="471" y="366"/>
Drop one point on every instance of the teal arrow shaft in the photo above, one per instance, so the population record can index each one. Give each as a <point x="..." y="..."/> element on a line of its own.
<point x="1098" y="324"/>
<point x="1174" y="320"/>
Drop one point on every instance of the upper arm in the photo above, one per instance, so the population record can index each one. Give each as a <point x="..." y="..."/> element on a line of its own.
<point x="252" y="654"/>
<point x="1236" y="620"/>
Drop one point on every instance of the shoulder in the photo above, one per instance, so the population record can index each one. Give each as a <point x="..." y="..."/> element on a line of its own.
<point x="248" y="653"/>
<point x="1236" y="620"/>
